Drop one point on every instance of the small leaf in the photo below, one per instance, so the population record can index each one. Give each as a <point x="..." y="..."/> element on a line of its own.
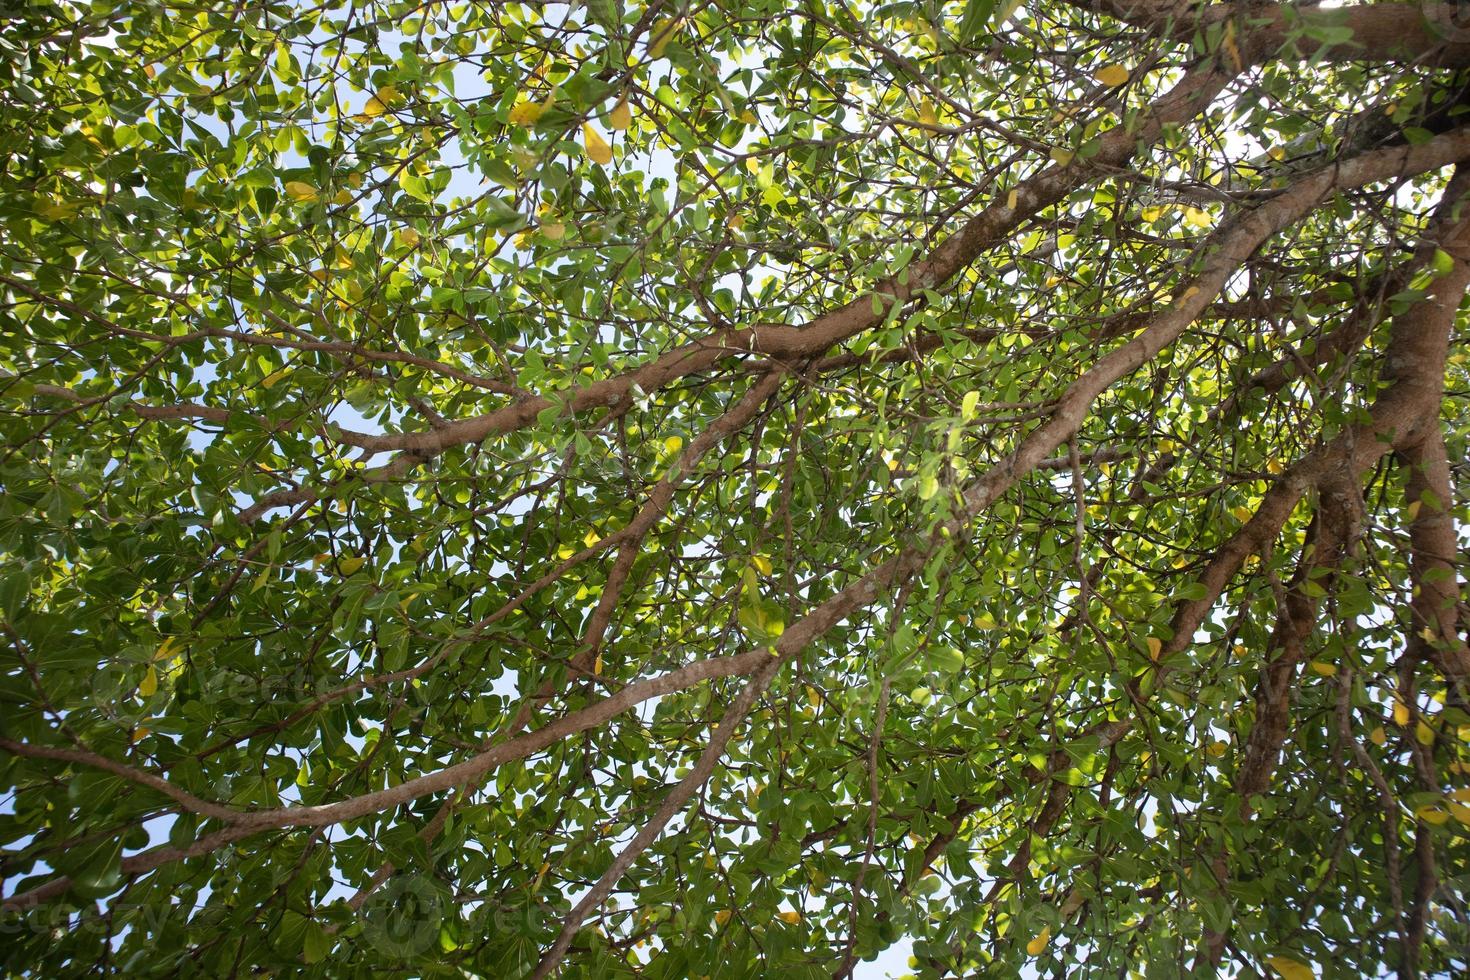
<point x="1290" y="969"/>
<point x="1111" y="75"/>
<point x="526" y="113"/>
<point x="1039" y="941"/>
<point x="621" y="116"/>
<point x="969" y="404"/>
<point x="598" y="150"/>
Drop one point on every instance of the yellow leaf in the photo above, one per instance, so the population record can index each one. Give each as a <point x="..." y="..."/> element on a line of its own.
<point x="1378" y="736"/>
<point x="1325" y="669"/>
<point x="1061" y="157"/>
<point x="927" y="114"/>
<point x="269" y="381"/>
<point x="1242" y="514"/>
<point x="1186" y="296"/>
<point x="1012" y="198"/>
<point x="1430" y="813"/>
<point x="749" y="118"/>
<point x="1154" y="646"/>
<point x="1217" y="749"/>
<point x="1460" y="812"/>
<point x="737" y="221"/>
<point x="343" y="198"/>
<point x="673" y="444"/>
<point x="762" y="564"/>
<point x="591" y="538"/>
<point x="148" y="686"/>
<point x="790" y="917"/>
<point x="57" y="211"/>
<point x="1424" y="734"/>
<point x="408" y="237"/>
<point x="661" y="35"/>
<point x="722" y="916"/>
<point x="387" y="95"/>
<point x="1413" y="509"/>
<point x="526" y="113"/>
<point x="1153" y="214"/>
<point x="985" y="621"/>
<point x="1290" y="969"/>
<point x="140" y="734"/>
<point x="597" y="666"/>
<point x="1039" y="941"/>
<point x="299" y="190"/>
<point x="374" y="107"/>
<point x="554" y="230"/>
<point x="1197" y="217"/>
<point x="349" y="565"/>
<point x="621" y="116"/>
<point x="1463" y="795"/>
<point x="1400" y="713"/>
<point x="597" y="149"/>
<point x="1111" y="75"/>
<point x="165" y="648"/>
<point x="1274" y="467"/>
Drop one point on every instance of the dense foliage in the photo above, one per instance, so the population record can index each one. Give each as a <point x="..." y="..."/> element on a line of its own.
<point x="734" y="489"/>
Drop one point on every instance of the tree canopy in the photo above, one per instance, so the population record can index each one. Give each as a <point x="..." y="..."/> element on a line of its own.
<point x="694" y="488"/>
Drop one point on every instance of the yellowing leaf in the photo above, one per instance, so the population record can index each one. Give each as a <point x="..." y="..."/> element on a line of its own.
<point x="1155" y="645"/>
<point x="722" y="916"/>
<point x="673" y="444"/>
<point x="1012" y="198"/>
<point x="597" y="666"/>
<point x="1378" y="736"/>
<point x="1400" y="713"/>
<point x="1290" y="969"/>
<point x="1274" y="467"/>
<point x="165" y="648"/>
<point x="348" y="566"/>
<point x="1111" y="75"/>
<point x="1242" y="514"/>
<point x="408" y="237"/>
<point x="299" y="190"/>
<point x="1061" y="157"/>
<point x="140" y="734"/>
<point x="1424" y="734"/>
<point x="554" y="230"/>
<point x="1430" y="813"/>
<point x="1413" y="509"/>
<point x="927" y="113"/>
<point x="148" y="686"/>
<point x="343" y="198"/>
<point x="1217" y="749"/>
<point x="969" y="405"/>
<point x="749" y="118"/>
<point x="1197" y="217"/>
<point x="661" y="35"/>
<point x="621" y="116"/>
<point x="1153" y="214"/>
<point x="591" y="538"/>
<point x="526" y="113"/>
<point x="762" y="564"/>
<point x="1325" y="669"/>
<point x="790" y="917"/>
<point x="597" y="149"/>
<point x="374" y="107"/>
<point x="1039" y="941"/>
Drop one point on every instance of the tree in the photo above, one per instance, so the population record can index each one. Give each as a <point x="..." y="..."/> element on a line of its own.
<point x="729" y="489"/>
